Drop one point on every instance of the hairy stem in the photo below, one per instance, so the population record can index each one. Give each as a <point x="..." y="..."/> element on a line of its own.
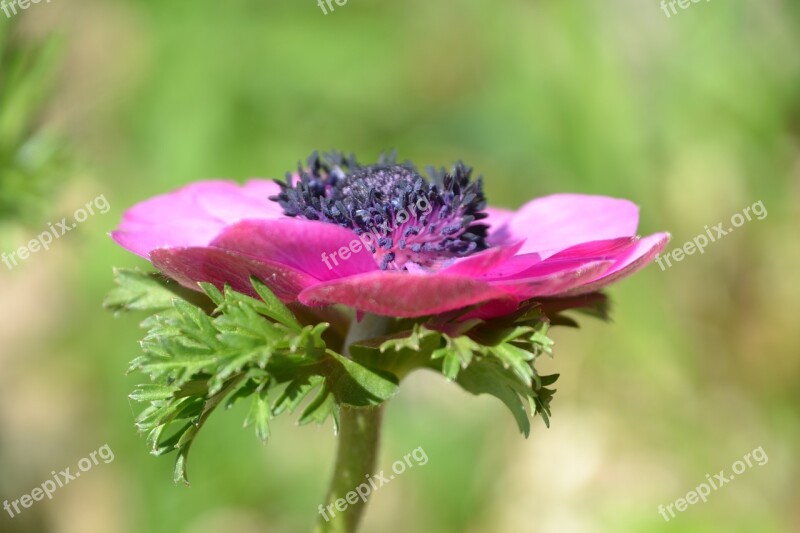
<point x="357" y="454"/>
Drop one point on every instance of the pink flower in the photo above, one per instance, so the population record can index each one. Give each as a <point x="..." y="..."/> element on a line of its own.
<point x="382" y="239"/>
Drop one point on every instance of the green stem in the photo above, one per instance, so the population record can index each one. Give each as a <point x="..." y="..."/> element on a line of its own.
<point x="357" y="454"/>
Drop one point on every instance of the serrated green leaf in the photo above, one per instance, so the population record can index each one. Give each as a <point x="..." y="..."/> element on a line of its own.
<point x="294" y="393"/>
<point x="179" y="472"/>
<point x="246" y="347"/>
<point x="153" y="437"/>
<point x="188" y="435"/>
<point x="451" y="365"/>
<point x="235" y="364"/>
<point x="486" y="377"/>
<point x="358" y="385"/>
<point x="259" y="415"/>
<point x="516" y="359"/>
<point x="170" y="444"/>
<point x="151" y="392"/>
<point x="213" y="293"/>
<point x="407" y="340"/>
<point x="273" y="307"/>
<point x="396" y="356"/>
<point x="319" y="409"/>
<point x="137" y="291"/>
<point x="548" y="380"/>
<point x="246" y="388"/>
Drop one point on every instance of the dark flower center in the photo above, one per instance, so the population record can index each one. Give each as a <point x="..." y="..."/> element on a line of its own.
<point x="402" y="218"/>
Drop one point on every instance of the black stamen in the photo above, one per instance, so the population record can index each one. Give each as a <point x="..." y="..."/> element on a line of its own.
<point x="394" y="203"/>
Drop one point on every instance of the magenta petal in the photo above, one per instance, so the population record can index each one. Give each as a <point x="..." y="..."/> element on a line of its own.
<point x="141" y="239"/>
<point x="188" y="266"/>
<point x="402" y="294"/>
<point x="639" y="256"/>
<point x="498" y="219"/>
<point x="528" y="265"/>
<point x="554" y="279"/>
<point x="482" y="262"/>
<point x="239" y="202"/>
<point x="512" y="267"/>
<point x="610" y="250"/>
<point x="492" y="309"/>
<point x="595" y="250"/>
<point x="554" y="223"/>
<point x="194" y="215"/>
<point x="300" y="244"/>
<point x="497" y="216"/>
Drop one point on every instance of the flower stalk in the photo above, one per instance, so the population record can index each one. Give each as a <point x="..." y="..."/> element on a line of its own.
<point x="358" y="447"/>
<point x="356" y="457"/>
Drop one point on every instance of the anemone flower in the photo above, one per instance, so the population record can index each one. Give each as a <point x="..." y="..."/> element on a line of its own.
<point x="383" y="239"/>
<point x="433" y="276"/>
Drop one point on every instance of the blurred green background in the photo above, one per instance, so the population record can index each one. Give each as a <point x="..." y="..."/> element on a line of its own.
<point x="693" y="117"/>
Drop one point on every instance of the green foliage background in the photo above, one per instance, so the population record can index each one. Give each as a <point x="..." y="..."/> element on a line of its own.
<point x="693" y="117"/>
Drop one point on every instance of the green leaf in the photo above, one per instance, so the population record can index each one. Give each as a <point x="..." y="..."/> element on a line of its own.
<point x="516" y="359"/>
<point x="221" y="346"/>
<point x="213" y="293"/>
<point x="321" y="407"/>
<point x="179" y="472"/>
<point x="407" y="340"/>
<point x="358" y="385"/>
<point x="259" y="415"/>
<point x="457" y="354"/>
<point x="294" y="393"/>
<point x="201" y="356"/>
<point x="137" y="291"/>
<point x="487" y="377"/>
<point x="451" y="364"/>
<point x="152" y="392"/>
<point x="273" y="307"/>
<point x="398" y="354"/>
<point x="496" y="357"/>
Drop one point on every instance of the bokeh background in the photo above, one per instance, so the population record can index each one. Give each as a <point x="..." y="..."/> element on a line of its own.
<point x="694" y="117"/>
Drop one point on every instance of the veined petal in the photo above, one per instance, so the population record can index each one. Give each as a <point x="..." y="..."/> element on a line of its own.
<point x="497" y="216"/>
<point x="315" y="248"/>
<point x="639" y="256"/>
<point x="552" y="280"/>
<point x="482" y="262"/>
<point x="194" y="215"/>
<point x="554" y="223"/>
<point x="188" y="266"/>
<point x="402" y="294"/>
<point x="527" y="265"/>
<point x="499" y="232"/>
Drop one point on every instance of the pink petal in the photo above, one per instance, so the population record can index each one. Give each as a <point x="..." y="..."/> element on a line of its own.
<point x="300" y="244"/>
<point x="514" y="265"/>
<point x="606" y="249"/>
<point x="141" y="239"/>
<point x="497" y="216"/>
<point x="402" y="294"/>
<point x="497" y="220"/>
<point x="188" y="266"/>
<point x="554" y="223"/>
<point x="554" y="279"/>
<point x="482" y="262"/>
<point x="239" y="202"/>
<point x="492" y="309"/>
<point x="530" y="265"/>
<point x="194" y="215"/>
<point x="639" y="256"/>
<point x="520" y="266"/>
